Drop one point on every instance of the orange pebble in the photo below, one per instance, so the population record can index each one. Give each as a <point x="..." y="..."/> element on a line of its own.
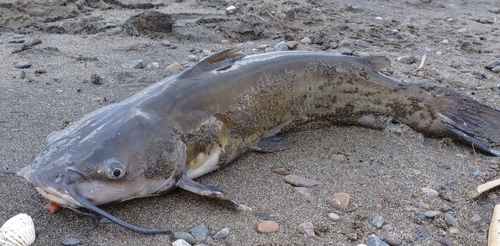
<point x="52" y="207"/>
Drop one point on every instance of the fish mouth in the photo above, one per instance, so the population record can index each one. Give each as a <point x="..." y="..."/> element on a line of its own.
<point x="68" y="196"/>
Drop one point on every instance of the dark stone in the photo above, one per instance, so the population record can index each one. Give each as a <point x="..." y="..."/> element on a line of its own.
<point x="149" y="22"/>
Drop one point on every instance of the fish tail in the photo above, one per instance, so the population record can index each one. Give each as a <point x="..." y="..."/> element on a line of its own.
<point x="441" y="112"/>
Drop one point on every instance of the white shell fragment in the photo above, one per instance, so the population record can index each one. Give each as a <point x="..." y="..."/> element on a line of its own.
<point x="18" y="231"/>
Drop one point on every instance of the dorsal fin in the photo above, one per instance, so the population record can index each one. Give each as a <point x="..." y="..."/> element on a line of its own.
<point x="377" y="62"/>
<point x="219" y="61"/>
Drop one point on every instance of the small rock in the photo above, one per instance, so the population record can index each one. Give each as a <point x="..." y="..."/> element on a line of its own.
<point x="334" y="45"/>
<point x="495" y="10"/>
<point x="387" y="227"/>
<point x="308" y="228"/>
<point x="446" y="241"/>
<point x="484" y="20"/>
<point x="134" y="64"/>
<point x="281" y="171"/>
<point x="148" y="22"/>
<point x="451" y="219"/>
<point x="175" y="66"/>
<point x="361" y="44"/>
<point x="95" y="79"/>
<point x="222" y="233"/>
<point x="373" y="240"/>
<point x="226" y="41"/>
<point x="475" y="218"/>
<point x="153" y="65"/>
<point x="462" y="30"/>
<point x="496" y="69"/>
<point x="193" y="58"/>
<point x="420" y="73"/>
<point x="430" y="192"/>
<point x="268" y="226"/>
<point x="399" y="35"/>
<point x="300" y="181"/>
<point x="492" y="64"/>
<point x="16" y="41"/>
<point x="180" y="242"/>
<point x="338" y="158"/>
<point x="185" y="236"/>
<point x="292" y="44"/>
<point x="231" y="10"/>
<point x="378" y="221"/>
<point x="200" y="232"/>
<point x="40" y="71"/>
<point x="70" y="241"/>
<point x="23" y="65"/>
<point x="339" y="200"/>
<point x="334" y="216"/>
<point x="453" y="231"/>
<point x="420" y="234"/>
<point x="407" y="59"/>
<point x="268" y="49"/>
<point x="306" y="40"/>
<point x="262" y="46"/>
<point x="431" y="214"/>
<point x="281" y="46"/>
<point x="303" y="191"/>
<point x="445" y="41"/>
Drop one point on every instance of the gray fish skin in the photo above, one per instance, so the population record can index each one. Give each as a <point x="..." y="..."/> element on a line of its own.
<point x="203" y="118"/>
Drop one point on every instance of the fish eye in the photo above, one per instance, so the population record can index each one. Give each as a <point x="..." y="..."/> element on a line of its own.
<point x="114" y="169"/>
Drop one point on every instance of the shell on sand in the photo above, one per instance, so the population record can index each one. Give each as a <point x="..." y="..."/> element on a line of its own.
<point x="18" y="231"/>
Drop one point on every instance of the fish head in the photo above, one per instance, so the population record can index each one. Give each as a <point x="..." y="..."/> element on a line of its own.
<point x="108" y="156"/>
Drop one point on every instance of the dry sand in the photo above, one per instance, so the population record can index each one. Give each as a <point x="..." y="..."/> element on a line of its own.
<point x="88" y="40"/>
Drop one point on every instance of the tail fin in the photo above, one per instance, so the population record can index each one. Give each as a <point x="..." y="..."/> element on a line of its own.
<point x="459" y="117"/>
<point x="472" y="123"/>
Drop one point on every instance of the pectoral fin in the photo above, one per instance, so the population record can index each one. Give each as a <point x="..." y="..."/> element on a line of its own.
<point x="190" y="185"/>
<point x="272" y="144"/>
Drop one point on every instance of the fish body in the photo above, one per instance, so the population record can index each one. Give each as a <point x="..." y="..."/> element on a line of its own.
<point x="200" y="120"/>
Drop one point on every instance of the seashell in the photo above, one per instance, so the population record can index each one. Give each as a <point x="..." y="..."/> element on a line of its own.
<point x="18" y="231"/>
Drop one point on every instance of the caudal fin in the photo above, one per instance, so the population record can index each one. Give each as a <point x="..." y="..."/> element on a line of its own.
<point x="471" y="122"/>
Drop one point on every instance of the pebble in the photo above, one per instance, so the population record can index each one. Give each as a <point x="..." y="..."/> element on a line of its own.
<point x="23" y="65"/>
<point x="496" y="69"/>
<point x="269" y="49"/>
<point x="431" y="214"/>
<point x="134" y="64"/>
<point x="231" y="10"/>
<point x="373" y="240"/>
<point x="407" y="59"/>
<point x="300" y="181"/>
<point x="445" y="41"/>
<point x="268" y="226"/>
<point x="306" y="40"/>
<point x="338" y="158"/>
<point x="180" y="242"/>
<point x="175" y="66"/>
<point x="308" y="228"/>
<point x="451" y="219"/>
<point x="475" y="218"/>
<point x="462" y="30"/>
<point x="281" y="46"/>
<point x="492" y="64"/>
<point x="453" y="231"/>
<point x="70" y="241"/>
<point x="96" y="79"/>
<point x="262" y="46"/>
<point x="378" y="221"/>
<point x="334" y="45"/>
<point x="292" y="44"/>
<point x="303" y="191"/>
<point x="226" y="41"/>
<point x="193" y="58"/>
<point x="339" y="200"/>
<point x="399" y="35"/>
<point x="430" y="192"/>
<point x="281" y="171"/>
<point x="484" y="20"/>
<point x="334" y="216"/>
<point x="495" y="10"/>
<point x="446" y="241"/>
<point x="185" y="236"/>
<point x="200" y="232"/>
<point x="16" y="41"/>
<point x="153" y="65"/>
<point x="420" y="234"/>
<point x="222" y="233"/>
